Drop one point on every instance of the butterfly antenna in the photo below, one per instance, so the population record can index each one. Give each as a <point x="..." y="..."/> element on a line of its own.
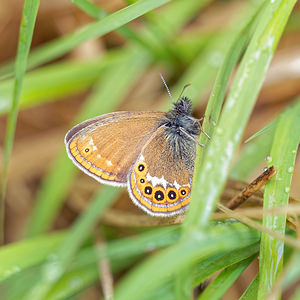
<point x="185" y="86"/>
<point x="165" y="84"/>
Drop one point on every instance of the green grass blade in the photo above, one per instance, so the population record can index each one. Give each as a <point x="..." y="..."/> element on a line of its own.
<point x="183" y="288"/>
<point x="84" y="269"/>
<point x="147" y="277"/>
<point x="216" y="99"/>
<point x="109" y="23"/>
<point x="254" y="152"/>
<point x="58" y="80"/>
<point x="56" y="266"/>
<point x="283" y="154"/>
<point x="25" y="37"/>
<point x="293" y="273"/>
<point x="14" y="258"/>
<point x="98" y="13"/>
<point x="252" y="155"/>
<point x="73" y="282"/>
<point x="207" y="268"/>
<point x="296" y="295"/>
<point x="262" y="131"/>
<point x="225" y="279"/>
<point x="248" y="80"/>
<point x="212" y="114"/>
<point x="77" y="280"/>
<point x="103" y="100"/>
<point x="251" y="291"/>
<point x="24" y="255"/>
<point x="90" y="8"/>
<point x="121" y="253"/>
<point x="167" y="22"/>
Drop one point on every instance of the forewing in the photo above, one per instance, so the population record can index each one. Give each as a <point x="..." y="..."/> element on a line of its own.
<point x="161" y="179"/>
<point x="107" y="146"/>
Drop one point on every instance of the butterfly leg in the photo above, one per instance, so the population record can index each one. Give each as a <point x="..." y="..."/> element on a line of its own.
<point x="191" y="137"/>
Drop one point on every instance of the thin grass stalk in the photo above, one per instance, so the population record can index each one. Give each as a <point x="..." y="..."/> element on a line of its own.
<point x="25" y="37"/>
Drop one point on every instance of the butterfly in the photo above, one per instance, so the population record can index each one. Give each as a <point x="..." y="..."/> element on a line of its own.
<point x="150" y="152"/>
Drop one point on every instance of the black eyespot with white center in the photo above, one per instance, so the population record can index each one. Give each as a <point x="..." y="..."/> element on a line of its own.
<point x="87" y="150"/>
<point x="148" y="190"/>
<point x="159" y="195"/>
<point x="142" y="180"/>
<point x="172" y="195"/>
<point x="141" y="168"/>
<point x="183" y="192"/>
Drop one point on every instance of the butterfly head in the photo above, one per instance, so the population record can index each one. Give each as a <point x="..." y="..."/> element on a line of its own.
<point x="180" y="119"/>
<point x="183" y="106"/>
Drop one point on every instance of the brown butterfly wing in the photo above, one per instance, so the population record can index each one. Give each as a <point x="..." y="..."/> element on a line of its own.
<point x="107" y="146"/>
<point x="161" y="179"/>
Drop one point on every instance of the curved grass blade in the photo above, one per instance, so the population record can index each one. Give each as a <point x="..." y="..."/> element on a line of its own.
<point x="109" y="23"/>
<point x="96" y="12"/>
<point x="204" y="269"/>
<point x="217" y="288"/>
<point x="199" y="246"/>
<point x="251" y="291"/>
<point x="90" y="8"/>
<point x="58" y="80"/>
<point x="212" y="114"/>
<point x="283" y="154"/>
<point x="14" y="258"/>
<point x="248" y="80"/>
<point x="262" y="131"/>
<point x="252" y="155"/>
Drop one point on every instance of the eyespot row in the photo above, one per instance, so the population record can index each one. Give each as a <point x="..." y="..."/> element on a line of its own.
<point x="158" y="193"/>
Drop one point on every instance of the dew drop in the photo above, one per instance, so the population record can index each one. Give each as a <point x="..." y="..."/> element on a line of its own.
<point x="290" y="169"/>
<point x="53" y="271"/>
<point x="287" y="189"/>
<point x="257" y="54"/>
<point x="216" y="58"/>
<point x="219" y="130"/>
<point x="52" y="257"/>
<point x="76" y="282"/>
<point x="4" y="104"/>
<point x="268" y="158"/>
<point x="150" y="246"/>
<point x="16" y="269"/>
